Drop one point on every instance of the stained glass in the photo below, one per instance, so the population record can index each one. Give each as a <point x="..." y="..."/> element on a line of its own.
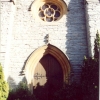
<point x="57" y="14"/>
<point x="45" y="6"/>
<point x="54" y="7"/>
<point x="41" y="14"/>
<point x="49" y="12"/>
<point x="49" y="19"/>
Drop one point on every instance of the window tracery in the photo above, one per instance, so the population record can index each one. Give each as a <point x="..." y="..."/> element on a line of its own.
<point x="49" y="12"/>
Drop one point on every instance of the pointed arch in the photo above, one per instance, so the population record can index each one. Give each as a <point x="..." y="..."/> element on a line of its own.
<point x="38" y="54"/>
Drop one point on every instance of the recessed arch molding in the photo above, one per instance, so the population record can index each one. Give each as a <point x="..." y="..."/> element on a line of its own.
<point x="38" y="54"/>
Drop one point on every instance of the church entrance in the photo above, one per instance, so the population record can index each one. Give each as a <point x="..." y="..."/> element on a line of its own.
<point x="48" y="77"/>
<point x="46" y="70"/>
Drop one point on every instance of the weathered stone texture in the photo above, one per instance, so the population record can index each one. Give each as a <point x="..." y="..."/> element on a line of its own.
<point x="69" y="36"/>
<point x="5" y="23"/>
<point x="93" y="23"/>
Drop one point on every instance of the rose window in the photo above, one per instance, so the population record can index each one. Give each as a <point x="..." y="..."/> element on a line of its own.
<point x="49" y="12"/>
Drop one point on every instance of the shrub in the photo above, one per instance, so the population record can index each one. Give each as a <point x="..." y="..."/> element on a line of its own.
<point x="69" y="92"/>
<point x="21" y="93"/>
<point x="4" y="88"/>
<point x="90" y="74"/>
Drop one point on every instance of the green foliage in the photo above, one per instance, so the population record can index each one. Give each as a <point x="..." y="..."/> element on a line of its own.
<point x="4" y="88"/>
<point x="21" y="93"/>
<point x="90" y="74"/>
<point x="96" y="46"/>
<point x="69" y="92"/>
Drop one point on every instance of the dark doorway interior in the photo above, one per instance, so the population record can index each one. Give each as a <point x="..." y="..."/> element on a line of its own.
<point x="48" y="78"/>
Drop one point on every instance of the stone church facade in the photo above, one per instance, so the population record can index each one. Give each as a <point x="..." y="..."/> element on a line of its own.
<point x="31" y="29"/>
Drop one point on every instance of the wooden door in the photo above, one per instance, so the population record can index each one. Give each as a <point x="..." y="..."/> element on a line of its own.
<point x="48" y="78"/>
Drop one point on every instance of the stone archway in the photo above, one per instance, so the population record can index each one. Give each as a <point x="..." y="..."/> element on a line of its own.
<point x="38" y="54"/>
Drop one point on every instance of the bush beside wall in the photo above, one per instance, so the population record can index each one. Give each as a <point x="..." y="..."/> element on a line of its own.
<point x="21" y="93"/>
<point x="4" y="88"/>
<point x="90" y="74"/>
<point x="69" y="92"/>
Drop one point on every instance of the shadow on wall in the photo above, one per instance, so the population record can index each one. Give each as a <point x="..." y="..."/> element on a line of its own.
<point x="23" y="68"/>
<point x="11" y="82"/>
<point x="76" y="43"/>
<point x="47" y="91"/>
<point x="46" y="40"/>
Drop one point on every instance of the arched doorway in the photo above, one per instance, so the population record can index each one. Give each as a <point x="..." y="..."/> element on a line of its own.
<point x="48" y="77"/>
<point x="35" y="59"/>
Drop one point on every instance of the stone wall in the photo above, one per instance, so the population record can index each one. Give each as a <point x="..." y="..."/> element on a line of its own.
<point x="26" y="35"/>
<point x="7" y="17"/>
<point x="92" y="8"/>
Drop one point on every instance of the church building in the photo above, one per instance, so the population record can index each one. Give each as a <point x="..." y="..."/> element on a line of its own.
<point x="46" y="40"/>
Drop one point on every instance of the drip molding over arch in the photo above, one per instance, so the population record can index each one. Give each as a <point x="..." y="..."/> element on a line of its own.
<point x="38" y="54"/>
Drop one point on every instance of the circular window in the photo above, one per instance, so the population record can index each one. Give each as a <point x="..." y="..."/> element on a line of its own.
<point x="48" y="11"/>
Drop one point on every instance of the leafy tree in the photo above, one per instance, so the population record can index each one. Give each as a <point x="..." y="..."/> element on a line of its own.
<point x="96" y="46"/>
<point x="21" y="93"/>
<point x="4" y="88"/>
<point x="69" y="92"/>
<point x="90" y="73"/>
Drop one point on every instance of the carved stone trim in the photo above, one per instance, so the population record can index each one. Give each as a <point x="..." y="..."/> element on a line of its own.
<point x="37" y="4"/>
<point x="38" y="54"/>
